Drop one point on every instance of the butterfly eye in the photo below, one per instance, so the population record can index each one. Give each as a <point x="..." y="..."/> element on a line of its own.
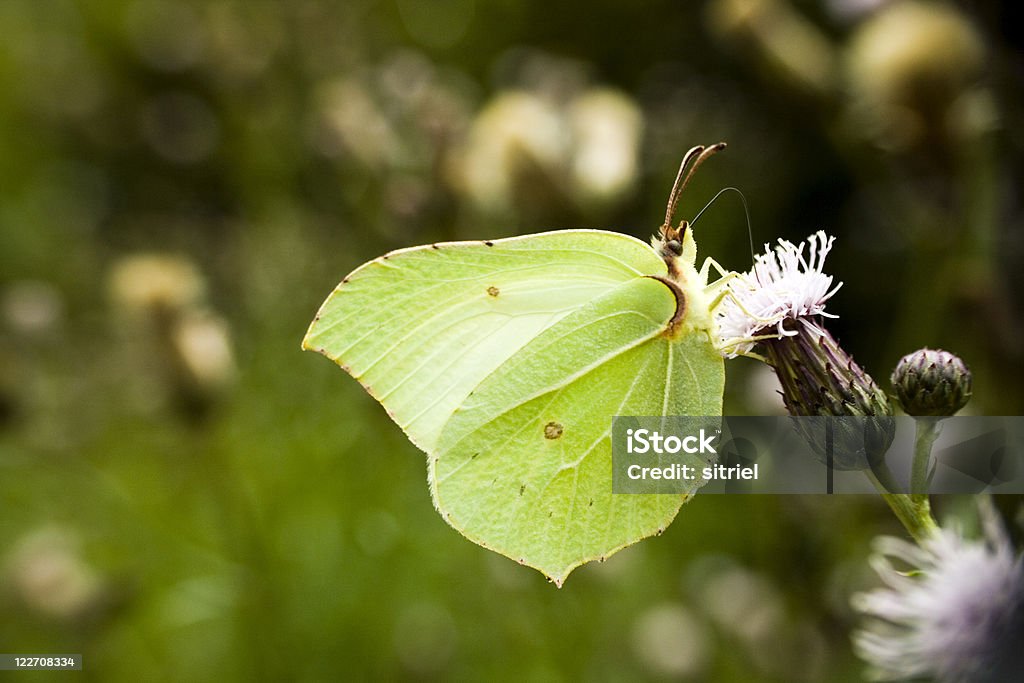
<point x="675" y="247"/>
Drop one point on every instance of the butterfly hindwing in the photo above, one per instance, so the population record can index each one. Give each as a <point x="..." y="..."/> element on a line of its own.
<point x="525" y="465"/>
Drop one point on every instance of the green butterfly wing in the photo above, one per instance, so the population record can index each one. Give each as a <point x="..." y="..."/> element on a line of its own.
<point x="505" y="362"/>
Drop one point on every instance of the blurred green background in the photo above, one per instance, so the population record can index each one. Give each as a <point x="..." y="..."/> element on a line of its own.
<point x="186" y="495"/>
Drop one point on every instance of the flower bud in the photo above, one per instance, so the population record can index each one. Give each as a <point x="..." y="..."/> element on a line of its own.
<point x="932" y="382"/>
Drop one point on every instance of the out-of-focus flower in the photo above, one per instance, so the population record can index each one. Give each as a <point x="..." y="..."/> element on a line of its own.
<point x="669" y="640"/>
<point x="351" y="122"/>
<point x="787" y="46"/>
<point x="749" y="609"/>
<point x="606" y="129"/>
<point x="932" y="382"/>
<point x="516" y="133"/>
<point x="149" y="282"/>
<point x="203" y="344"/>
<point x="956" y="616"/>
<point x="741" y="601"/>
<point x="31" y="307"/>
<point x="47" y="572"/>
<point x="525" y="143"/>
<point x="173" y="331"/>
<point x="907" y="66"/>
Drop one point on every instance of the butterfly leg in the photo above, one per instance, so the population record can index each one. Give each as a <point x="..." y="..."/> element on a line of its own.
<point x="709" y="263"/>
<point x="719" y="288"/>
<point x="720" y="291"/>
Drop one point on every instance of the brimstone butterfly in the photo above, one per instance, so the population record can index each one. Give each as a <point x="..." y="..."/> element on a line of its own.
<point x="506" y="360"/>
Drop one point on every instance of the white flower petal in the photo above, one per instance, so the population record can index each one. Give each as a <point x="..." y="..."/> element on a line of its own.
<point x="784" y="284"/>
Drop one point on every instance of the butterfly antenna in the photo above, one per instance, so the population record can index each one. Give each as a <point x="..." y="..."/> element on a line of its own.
<point x="698" y="155"/>
<point x="673" y="197"/>
<point x="746" y="212"/>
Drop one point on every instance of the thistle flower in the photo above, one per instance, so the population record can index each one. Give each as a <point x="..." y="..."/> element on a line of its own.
<point x="932" y="382"/>
<point x="957" y="616"/>
<point x="778" y="306"/>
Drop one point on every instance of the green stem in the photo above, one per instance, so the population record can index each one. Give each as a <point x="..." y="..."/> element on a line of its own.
<point x="913" y="512"/>
<point x="928" y="430"/>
